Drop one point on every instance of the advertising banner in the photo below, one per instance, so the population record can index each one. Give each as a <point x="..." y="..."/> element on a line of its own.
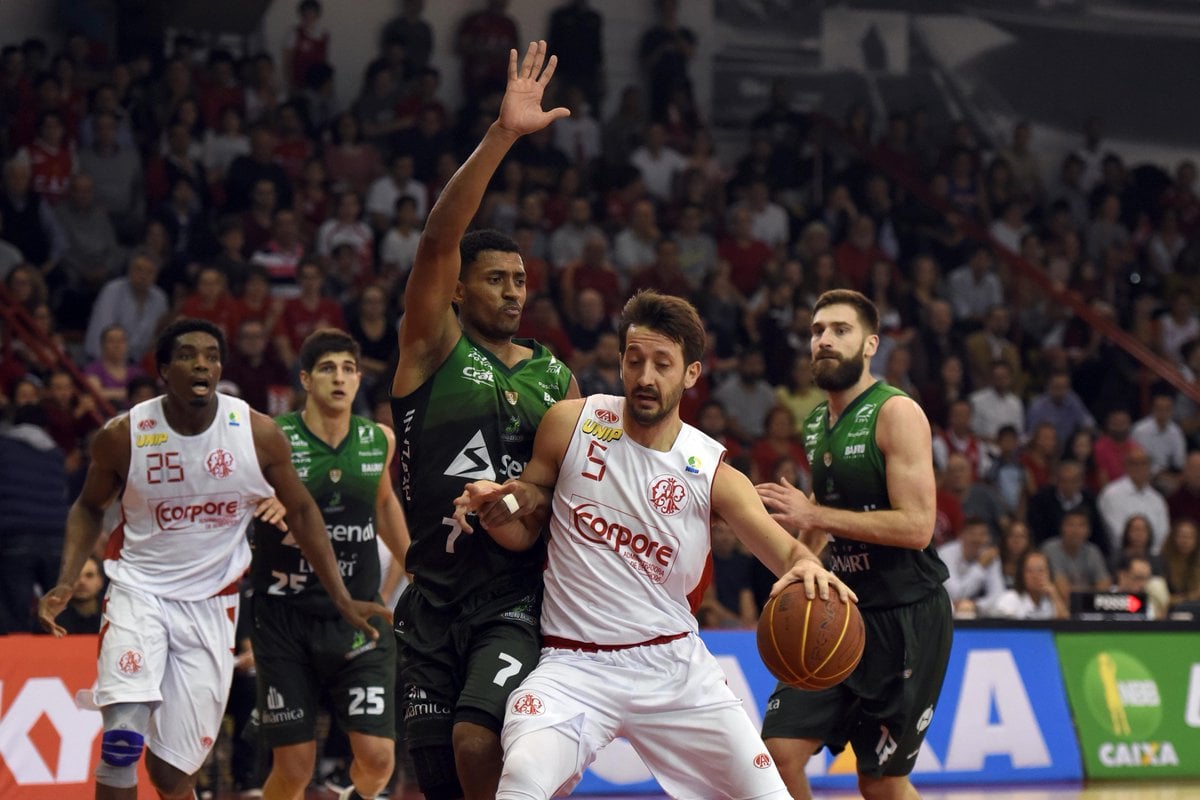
<point x="1002" y="718"/>
<point x="1136" y="700"/>
<point x="48" y="744"/>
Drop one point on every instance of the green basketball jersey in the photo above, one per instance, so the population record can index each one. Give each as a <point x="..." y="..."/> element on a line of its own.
<point x="344" y="481"/>
<point x="848" y="472"/>
<point x="474" y="419"/>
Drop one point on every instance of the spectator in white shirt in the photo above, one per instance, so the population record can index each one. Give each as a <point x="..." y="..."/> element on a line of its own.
<point x="996" y="406"/>
<point x="579" y="134"/>
<point x="974" y="288"/>
<point x="770" y="221"/>
<point x="1132" y="495"/>
<point x="697" y="248"/>
<point x="1034" y="595"/>
<point x="1179" y="325"/>
<point x="975" y="582"/>
<point x="636" y="246"/>
<point x="386" y="190"/>
<point x="566" y="243"/>
<point x="657" y="163"/>
<point x="399" y="247"/>
<point x="1162" y="439"/>
<point x="346" y="227"/>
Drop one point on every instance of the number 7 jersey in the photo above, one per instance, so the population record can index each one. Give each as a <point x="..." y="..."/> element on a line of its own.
<point x="186" y="504"/>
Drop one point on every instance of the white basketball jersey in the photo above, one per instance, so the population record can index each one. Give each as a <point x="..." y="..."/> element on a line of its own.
<point x="629" y="531"/>
<point x="187" y="503"/>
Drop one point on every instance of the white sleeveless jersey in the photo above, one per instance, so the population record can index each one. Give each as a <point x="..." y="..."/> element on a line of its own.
<point x="186" y="504"/>
<point x="629" y="532"/>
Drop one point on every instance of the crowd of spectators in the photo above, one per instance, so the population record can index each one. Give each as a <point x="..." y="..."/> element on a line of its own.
<point x="139" y="186"/>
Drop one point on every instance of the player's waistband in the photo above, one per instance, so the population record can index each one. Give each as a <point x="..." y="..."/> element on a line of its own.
<point x="559" y="643"/>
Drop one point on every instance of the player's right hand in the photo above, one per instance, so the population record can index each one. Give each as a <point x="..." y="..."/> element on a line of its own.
<point x="521" y="109"/>
<point x="51" y="605"/>
<point x="271" y="511"/>
<point x="473" y="498"/>
<point x="359" y="614"/>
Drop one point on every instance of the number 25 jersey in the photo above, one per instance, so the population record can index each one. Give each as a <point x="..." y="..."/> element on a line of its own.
<point x="186" y="504"/>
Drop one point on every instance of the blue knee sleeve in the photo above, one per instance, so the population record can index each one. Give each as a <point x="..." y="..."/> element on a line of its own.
<point x="121" y="748"/>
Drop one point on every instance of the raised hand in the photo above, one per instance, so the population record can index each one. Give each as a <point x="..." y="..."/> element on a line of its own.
<point x="521" y="109"/>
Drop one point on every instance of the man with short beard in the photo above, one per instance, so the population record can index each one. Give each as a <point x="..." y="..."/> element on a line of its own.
<point x="874" y="509"/>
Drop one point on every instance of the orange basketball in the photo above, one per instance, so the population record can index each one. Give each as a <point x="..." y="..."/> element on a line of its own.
<point x="810" y="644"/>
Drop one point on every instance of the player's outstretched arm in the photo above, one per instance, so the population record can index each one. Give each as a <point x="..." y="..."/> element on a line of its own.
<point x="429" y="328"/>
<point x="393" y="527"/>
<point x="514" y="513"/>
<point x="902" y="433"/>
<point x="306" y="523"/>
<point x="106" y="472"/>
<point x="735" y="501"/>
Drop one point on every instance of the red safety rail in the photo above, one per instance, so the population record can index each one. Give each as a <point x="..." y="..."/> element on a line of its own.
<point x="1144" y="355"/>
<point x="21" y="325"/>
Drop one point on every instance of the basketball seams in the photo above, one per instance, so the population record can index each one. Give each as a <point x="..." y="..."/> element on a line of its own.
<point x="779" y="626"/>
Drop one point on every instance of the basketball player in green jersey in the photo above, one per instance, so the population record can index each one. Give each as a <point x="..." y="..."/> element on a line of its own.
<point x="873" y="487"/>
<point x="466" y="401"/>
<point x="302" y="650"/>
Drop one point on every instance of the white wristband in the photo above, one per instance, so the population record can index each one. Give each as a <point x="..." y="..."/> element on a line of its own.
<point x="510" y="502"/>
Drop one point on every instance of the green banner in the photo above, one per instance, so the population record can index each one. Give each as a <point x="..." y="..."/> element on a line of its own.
<point x="1136" y="702"/>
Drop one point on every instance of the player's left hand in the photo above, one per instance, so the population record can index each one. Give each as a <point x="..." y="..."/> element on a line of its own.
<point x="816" y="579"/>
<point x="51" y="605"/>
<point x="359" y="614"/>
<point x="788" y="506"/>
<point x="271" y="511"/>
<point x="472" y="499"/>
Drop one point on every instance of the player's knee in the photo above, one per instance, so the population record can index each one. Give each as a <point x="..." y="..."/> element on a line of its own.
<point x="789" y="755"/>
<point x="170" y="782"/>
<point x="122" y="743"/>
<point x="476" y="747"/>
<point x="293" y="765"/>
<point x="435" y="771"/>
<point x="873" y="787"/>
<point x="376" y="759"/>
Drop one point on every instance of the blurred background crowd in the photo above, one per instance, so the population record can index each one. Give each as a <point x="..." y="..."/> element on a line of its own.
<point x="1041" y="308"/>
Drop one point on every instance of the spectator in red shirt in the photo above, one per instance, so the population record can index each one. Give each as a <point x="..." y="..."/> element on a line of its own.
<point x="591" y="271"/>
<point x="1113" y="446"/>
<point x="282" y="253"/>
<point x="665" y="274"/>
<point x="484" y="39"/>
<point x="304" y="314"/>
<point x="261" y="377"/>
<point x="350" y="162"/>
<point x="747" y="256"/>
<point x="51" y="157"/>
<point x="541" y="322"/>
<point x="221" y="89"/>
<point x="778" y="442"/>
<point x="293" y="147"/>
<point x="858" y="253"/>
<point x="307" y="45"/>
<point x="210" y="300"/>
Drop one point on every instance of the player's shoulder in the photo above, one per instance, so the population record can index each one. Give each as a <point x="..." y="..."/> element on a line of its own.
<point x="900" y="418"/>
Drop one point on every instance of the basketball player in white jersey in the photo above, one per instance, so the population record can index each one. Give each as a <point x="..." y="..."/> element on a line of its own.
<point x="192" y="468"/>
<point x="634" y="490"/>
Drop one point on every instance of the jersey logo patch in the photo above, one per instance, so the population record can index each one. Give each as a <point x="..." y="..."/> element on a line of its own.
<point x="607" y="415"/>
<point x="219" y="463"/>
<point x="335" y="475"/>
<point x="529" y="705"/>
<point x="473" y="462"/>
<point x="668" y="495"/>
<point x="130" y="662"/>
<point x="366" y="434"/>
<point x="147" y="425"/>
<point x="511" y="397"/>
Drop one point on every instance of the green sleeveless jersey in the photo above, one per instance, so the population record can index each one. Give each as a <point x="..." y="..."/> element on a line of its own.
<point x="848" y="472"/>
<point x="344" y="481"/>
<point x="474" y="419"/>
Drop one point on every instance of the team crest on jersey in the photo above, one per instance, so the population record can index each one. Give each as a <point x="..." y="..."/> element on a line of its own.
<point x="827" y="458"/>
<point x="511" y="397"/>
<point x="219" y="463"/>
<point x="366" y="434"/>
<point x="147" y="425"/>
<point x="762" y="761"/>
<point x="335" y="475"/>
<point x="529" y="705"/>
<point x="668" y="495"/>
<point x="130" y="662"/>
<point x="607" y="415"/>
